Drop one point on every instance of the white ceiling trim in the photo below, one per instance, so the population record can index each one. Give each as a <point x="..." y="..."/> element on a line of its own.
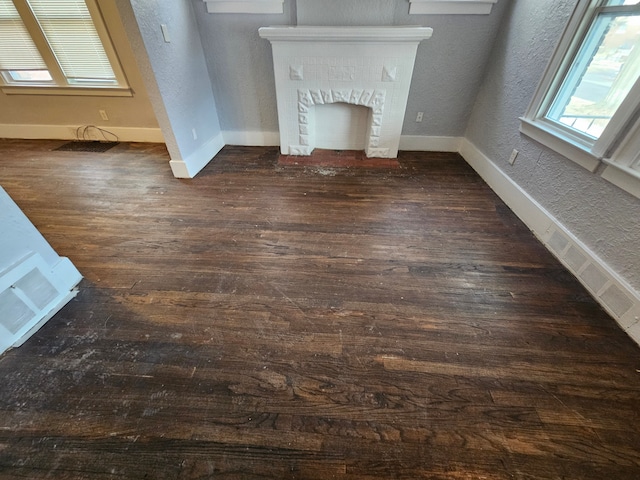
<point x="448" y="7"/>
<point x="245" y="6"/>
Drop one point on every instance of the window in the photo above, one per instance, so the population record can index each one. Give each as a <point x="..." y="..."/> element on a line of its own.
<point x="587" y="104"/>
<point x="56" y="46"/>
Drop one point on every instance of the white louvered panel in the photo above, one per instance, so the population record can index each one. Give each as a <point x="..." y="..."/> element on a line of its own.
<point x="27" y="294"/>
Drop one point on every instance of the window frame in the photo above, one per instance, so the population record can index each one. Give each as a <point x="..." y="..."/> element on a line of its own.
<point x="59" y="85"/>
<point x="623" y="129"/>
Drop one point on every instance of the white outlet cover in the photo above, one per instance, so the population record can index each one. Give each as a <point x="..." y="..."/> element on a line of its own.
<point x="165" y="33"/>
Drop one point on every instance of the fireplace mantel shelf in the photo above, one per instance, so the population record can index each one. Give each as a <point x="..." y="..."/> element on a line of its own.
<point x="346" y="34"/>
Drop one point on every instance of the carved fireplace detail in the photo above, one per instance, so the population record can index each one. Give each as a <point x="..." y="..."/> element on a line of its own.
<point x="367" y="66"/>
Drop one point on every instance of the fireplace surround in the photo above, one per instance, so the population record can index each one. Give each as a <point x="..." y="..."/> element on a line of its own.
<point x="366" y="66"/>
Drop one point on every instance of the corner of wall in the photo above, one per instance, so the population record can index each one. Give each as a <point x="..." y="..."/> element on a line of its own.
<point x="190" y="166"/>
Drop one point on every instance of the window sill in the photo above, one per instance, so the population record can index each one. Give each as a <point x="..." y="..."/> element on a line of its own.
<point x="245" y="6"/>
<point x="71" y="91"/>
<point x="622" y="177"/>
<point x="549" y="138"/>
<point x="447" y="7"/>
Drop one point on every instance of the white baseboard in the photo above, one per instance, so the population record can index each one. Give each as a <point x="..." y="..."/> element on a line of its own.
<point x="251" y="139"/>
<point x="66" y="273"/>
<point x="418" y="143"/>
<point x="407" y="142"/>
<point x="609" y="289"/>
<point x="190" y="166"/>
<point x="73" y="132"/>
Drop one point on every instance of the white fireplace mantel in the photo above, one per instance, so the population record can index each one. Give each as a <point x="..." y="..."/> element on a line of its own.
<point x="363" y="66"/>
<point x="346" y="34"/>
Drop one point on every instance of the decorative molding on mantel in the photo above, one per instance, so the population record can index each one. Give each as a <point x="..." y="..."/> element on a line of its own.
<point x="245" y="6"/>
<point x="447" y="7"/>
<point x="347" y="34"/>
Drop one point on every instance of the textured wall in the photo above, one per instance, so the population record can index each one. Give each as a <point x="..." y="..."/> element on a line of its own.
<point x="601" y="215"/>
<point x="241" y="67"/>
<point x="180" y="74"/>
<point x="449" y="68"/>
<point x="448" y="72"/>
<point x="327" y="12"/>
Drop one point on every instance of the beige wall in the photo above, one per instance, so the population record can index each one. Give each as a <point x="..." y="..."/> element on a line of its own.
<point x="58" y="116"/>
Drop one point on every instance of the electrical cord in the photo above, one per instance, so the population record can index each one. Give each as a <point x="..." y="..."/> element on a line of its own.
<point x="83" y="133"/>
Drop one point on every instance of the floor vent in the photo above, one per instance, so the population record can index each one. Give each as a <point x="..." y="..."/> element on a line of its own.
<point x="28" y="296"/>
<point x="86" y="146"/>
<point x="602" y="284"/>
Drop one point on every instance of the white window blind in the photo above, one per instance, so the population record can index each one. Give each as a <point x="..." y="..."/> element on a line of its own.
<point x="72" y="36"/>
<point x="57" y="47"/>
<point x="17" y="50"/>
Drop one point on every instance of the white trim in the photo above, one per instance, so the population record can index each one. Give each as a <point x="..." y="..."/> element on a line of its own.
<point x="623" y="117"/>
<point x="548" y="138"/>
<point x="569" y="35"/>
<point x="419" y="143"/>
<point x="416" y="143"/>
<point x="612" y="292"/>
<point x="68" y="132"/>
<point x="69" y="277"/>
<point x="60" y="83"/>
<point x="622" y="168"/>
<point x="383" y="34"/>
<point x="245" y="6"/>
<point x="251" y="138"/>
<point x="66" y="273"/>
<point x="447" y="7"/>
<point x="60" y="90"/>
<point x="523" y="205"/>
<point x="622" y="177"/>
<point x="62" y="301"/>
<point x="190" y="166"/>
<point x="576" y="147"/>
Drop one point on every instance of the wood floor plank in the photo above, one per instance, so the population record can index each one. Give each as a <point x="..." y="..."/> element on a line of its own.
<point x="317" y="321"/>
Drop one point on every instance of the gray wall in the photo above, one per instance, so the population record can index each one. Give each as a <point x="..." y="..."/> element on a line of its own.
<point x="241" y="67"/>
<point x="602" y="216"/>
<point x="176" y="72"/>
<point x="448" y="72"/>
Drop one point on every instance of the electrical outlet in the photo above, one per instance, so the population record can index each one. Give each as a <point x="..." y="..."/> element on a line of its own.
<point x="513" y="156"/>
<point x="419" y="117"/>
<point x="194" y="133"/>
<point x="103" y="114"/>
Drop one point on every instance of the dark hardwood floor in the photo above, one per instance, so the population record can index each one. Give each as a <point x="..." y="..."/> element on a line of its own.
<point x="271" y="321"/>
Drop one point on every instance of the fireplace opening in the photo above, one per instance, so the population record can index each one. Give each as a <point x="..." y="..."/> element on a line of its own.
<point x="341" y="126"/>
